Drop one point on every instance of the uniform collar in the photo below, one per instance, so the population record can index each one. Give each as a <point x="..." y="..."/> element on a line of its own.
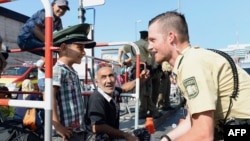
<point x="179" y="59"/>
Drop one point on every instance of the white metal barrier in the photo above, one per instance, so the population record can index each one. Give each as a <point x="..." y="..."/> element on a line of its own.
<point x="47" y="103"/>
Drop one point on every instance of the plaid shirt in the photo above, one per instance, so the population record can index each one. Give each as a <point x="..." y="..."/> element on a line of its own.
<point x="37" y="18"/>
<point x="69" y="98"/>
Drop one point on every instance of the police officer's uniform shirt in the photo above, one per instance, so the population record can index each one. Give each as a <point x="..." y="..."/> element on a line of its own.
<point x="144" y="53"/>
<point x="205" y="78"/>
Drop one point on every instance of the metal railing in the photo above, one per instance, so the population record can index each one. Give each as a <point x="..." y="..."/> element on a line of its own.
<point x="137" y="87"/>
<point x="48" y="93"/>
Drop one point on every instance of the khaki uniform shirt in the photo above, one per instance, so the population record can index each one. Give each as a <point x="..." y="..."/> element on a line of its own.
<point x="205" y="79"/>
<point x="143" y="48"/>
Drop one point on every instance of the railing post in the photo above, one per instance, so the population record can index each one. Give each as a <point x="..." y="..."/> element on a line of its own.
<point x="48" y="70"/>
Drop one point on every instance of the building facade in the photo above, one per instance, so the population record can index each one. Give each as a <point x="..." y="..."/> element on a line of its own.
<point x="10" y="25"/>
<point x="239" y="52"/>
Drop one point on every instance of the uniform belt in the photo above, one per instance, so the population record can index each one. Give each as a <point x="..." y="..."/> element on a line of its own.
<point x="237" y="121"/>
<point x="218" y="132"/>
<point x="243" y="121"/>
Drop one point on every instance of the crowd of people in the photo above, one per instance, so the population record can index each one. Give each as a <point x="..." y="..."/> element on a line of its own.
<point x="216" y="94"/>
<point x="155" y="92"/>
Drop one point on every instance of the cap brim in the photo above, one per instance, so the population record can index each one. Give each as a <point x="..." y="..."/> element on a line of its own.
<point x="67" y="7"/>
<point x="88" y="43"/>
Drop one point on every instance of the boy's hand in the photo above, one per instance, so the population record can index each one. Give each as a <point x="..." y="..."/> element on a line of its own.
<point x="64" y="132"/>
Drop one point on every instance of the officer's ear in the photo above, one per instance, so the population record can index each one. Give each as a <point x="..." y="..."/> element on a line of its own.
<point x="171" y="36"/>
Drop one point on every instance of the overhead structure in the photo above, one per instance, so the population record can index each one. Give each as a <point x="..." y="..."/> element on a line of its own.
<point x="88" y="3"/>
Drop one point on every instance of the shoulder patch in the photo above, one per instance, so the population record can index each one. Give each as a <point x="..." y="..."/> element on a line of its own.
<point x="191" y="87"/>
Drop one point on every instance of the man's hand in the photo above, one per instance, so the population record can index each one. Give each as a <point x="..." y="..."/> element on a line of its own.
<point x="120" y="64"/>
<point x="144" y="75"/>
<point x="127" y="63"/>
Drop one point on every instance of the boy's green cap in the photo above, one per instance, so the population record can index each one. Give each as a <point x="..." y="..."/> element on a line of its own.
<point x="74" y="34"/>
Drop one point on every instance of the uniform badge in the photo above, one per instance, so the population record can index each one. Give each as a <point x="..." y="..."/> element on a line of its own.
<point x="191" y="87"/>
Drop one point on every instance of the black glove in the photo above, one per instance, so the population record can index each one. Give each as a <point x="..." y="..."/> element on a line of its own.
<point x="142" y="133"/>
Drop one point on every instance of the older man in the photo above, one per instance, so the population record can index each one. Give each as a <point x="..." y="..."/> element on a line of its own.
<point x="103" y="106"/>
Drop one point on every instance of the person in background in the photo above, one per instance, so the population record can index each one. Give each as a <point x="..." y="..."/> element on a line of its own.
<point x="3" y="56"/>
<point x="6" y="111"/>
<point x="103" y="110"/>
<point x="156" y="74"/>
<point x="68" y="107"/>
<point x="163" y="98"/>
<point x="205" y="79"/>
<point x="41" y="73"/>
<point x="121" y="78"/>
<point x="32" y="34"/>
<point x="147" y="107"/>
<point x="27" y="86"/>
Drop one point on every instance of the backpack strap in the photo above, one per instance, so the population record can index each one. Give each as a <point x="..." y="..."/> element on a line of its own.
<point x="235" y="79"/>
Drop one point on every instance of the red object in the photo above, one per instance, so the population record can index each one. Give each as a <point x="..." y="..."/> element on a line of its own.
<point x="126" y="76"/>
<point x="3" y="1"/>
<point x="18" y="73"/>
<point x="4" y="102"/>
<point x="149" y="125"/>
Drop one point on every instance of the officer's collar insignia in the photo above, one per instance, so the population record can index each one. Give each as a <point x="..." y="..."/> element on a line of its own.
<point x="191" y="87"/>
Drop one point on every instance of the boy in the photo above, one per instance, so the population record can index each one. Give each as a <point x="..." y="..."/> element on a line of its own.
<point x="67" y="116"/>
<point x="32" y="33"/>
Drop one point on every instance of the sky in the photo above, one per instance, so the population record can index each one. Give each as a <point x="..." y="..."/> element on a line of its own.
<point x="212" y="23"/>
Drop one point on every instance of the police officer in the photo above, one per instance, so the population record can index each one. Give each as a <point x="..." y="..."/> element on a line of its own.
<point x="146" y="104"/>
<point x="205" y="78"/>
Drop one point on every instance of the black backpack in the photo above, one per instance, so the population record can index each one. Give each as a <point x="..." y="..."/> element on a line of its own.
<point x="13" y="130"/>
